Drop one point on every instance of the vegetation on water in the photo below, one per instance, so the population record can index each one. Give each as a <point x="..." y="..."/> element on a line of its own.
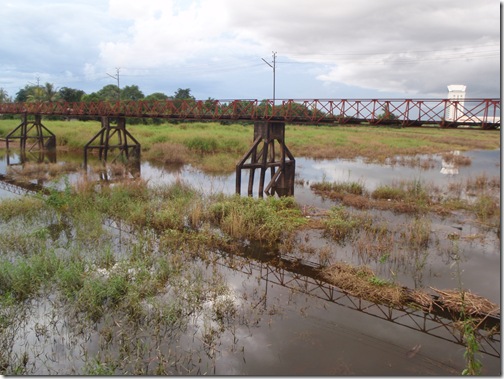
<point x="137" y="300"/>
<point x="57" y="245"/>
<point x="479" y="196"/>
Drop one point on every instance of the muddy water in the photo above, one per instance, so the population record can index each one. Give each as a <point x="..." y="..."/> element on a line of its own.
<point x="292" y="325"/>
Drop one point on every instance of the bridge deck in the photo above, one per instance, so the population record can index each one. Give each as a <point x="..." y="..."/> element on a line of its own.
<point x="484" y="113"/>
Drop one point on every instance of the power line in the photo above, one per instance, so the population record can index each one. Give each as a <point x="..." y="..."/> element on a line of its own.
<point x="274" y="69"/>
<point x="116" y="76"/>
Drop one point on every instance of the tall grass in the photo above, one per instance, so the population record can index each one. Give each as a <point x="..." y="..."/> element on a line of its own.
<point x="370" y="143"/>
<point x="256" y="219"/>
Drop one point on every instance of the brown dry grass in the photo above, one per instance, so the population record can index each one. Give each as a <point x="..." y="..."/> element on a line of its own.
<point x="166" y="152"/>
<point x="358" y="282"/>
<point x="467" y="302"/>
<point x="456" y="159"/>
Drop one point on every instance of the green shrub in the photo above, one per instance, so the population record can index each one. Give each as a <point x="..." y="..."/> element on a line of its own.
<point x="388" y="192"/>
<point x="203" y="145"/>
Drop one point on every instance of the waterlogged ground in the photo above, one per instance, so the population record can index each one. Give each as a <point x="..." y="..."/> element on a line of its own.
<point x="251" y="313"/>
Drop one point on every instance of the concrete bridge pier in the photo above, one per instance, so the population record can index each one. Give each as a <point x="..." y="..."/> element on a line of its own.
<point x="113" y="139"/>
<point x="263" y="156"/>
<point x="32" y="135"/>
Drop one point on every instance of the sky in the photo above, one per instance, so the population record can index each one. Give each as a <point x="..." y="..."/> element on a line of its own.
<point x="224" y="49"/>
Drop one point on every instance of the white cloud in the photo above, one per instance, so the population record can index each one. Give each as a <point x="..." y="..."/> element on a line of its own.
<point x="325" y="47"/>
<point x="164" y="32"/>
<point x="390" y="45"/>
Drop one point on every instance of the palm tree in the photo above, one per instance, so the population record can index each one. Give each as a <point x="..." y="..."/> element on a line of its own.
<point x="45" y="93"/>
<point x="50" y="93"/>
<point x="4" y="97"/>
<point x="36" y="94"/>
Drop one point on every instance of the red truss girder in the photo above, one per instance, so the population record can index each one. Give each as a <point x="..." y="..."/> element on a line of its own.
<point x="483" y="112"/>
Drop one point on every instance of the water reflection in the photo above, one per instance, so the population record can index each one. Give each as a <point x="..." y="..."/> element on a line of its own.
<point x="24" y="156"/>
<point x="450" y="167"/>
<point x="438" y="172"/>
<point x="301" y="325"/>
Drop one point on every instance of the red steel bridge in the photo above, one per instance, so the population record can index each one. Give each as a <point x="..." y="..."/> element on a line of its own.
<point x="483" y="113"/>
<point x="269" y="118"/>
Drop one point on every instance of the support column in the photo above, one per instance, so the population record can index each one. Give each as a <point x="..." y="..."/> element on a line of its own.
<point x="32" y="135"/>
<point x="264" y="155"/>
<point x="114" y="139"/>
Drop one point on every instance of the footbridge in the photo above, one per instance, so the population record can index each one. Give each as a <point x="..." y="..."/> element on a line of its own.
<point x="268" y="151"/>
<point x="483" y="113"/>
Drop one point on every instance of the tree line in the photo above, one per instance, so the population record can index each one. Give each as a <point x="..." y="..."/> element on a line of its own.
<point x="110" y="92"/>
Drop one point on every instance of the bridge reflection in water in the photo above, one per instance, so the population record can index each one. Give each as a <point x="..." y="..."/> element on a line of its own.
<point x="304" y="277"/>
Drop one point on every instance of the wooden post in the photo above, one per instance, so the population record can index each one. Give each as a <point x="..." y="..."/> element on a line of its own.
<point x="112" y="138"/>
<point x="263" y="156"/>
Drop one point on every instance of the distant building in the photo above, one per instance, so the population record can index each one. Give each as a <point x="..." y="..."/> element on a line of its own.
<point x="456" y="92"/>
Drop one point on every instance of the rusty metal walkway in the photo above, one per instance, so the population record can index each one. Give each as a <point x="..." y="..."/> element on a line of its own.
<point x="482" y="113"/>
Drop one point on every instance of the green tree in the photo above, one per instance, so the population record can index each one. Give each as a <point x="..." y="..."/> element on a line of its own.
<point x="4" y="97"/>
<point x="92" y="97"/>
<point x="36" y="94"/>
<point x="49" y="92"/>
<point x="109" y="93"/>
<point x="71" y="95"/>
<point x="157" y="96"/>
<point x="22" y="95"/>
<point x="184" y="94"/>
<point x="131" y="93"/>
<point x="31" y="93"/>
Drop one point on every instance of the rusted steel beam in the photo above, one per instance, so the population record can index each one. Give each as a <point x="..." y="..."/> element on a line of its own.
<point x="484" y="113"/>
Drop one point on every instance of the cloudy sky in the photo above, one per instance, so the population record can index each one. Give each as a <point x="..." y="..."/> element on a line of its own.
<point x="218" y="48"/>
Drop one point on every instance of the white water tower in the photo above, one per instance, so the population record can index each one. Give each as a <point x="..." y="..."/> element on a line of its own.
<point x="456" y="92"/>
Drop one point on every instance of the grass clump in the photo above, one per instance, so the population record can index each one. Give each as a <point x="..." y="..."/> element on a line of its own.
<point x="354" y="188"/>
<point x="387" y="192"/>
<point x="341" y="225"/>
<point x="362" y="282"/>
<point x="202" y="145"/>
<point x="264" y="220"/>
<point x="27" y="207"/>
<point x="23" y="278"/>
<point x="416" y="234"/>
<point x="486" y="207"/>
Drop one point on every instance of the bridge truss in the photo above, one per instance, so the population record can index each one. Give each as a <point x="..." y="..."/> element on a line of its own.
<point x="483" y="113"/>
<point x="268" y="153"/>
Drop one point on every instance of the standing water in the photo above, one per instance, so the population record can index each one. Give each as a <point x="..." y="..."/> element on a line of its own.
<point x="285" y="321"/>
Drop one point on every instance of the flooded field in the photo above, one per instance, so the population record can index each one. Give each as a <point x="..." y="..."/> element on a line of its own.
<point x="259" y="309"/>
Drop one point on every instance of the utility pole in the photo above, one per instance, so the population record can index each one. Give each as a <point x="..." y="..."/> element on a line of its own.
<point x="116" y="76"/>
<point x="274" y="69"/>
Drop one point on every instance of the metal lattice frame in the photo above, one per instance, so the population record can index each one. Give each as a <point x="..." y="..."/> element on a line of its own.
<point x="483" y="113"/>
